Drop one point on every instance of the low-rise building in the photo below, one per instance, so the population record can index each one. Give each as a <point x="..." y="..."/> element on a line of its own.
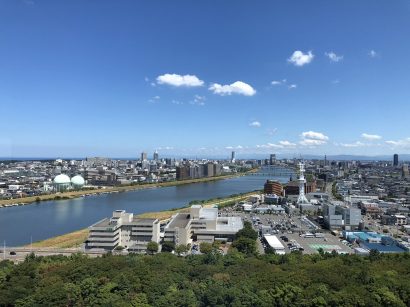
<point x="201" y="224"/>
<point x="125" y="230"/>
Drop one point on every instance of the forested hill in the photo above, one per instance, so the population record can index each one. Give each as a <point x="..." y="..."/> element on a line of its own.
<point x="208" y="280"/>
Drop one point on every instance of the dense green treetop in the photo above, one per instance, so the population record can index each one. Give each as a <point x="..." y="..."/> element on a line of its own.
<point x="211" y="279"/>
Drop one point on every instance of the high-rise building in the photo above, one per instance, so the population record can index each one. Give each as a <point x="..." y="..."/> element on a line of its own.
<point x="395" y="160"/>
<point x="405" y="171"/>
<point x="156" y="156"/>
<point x="233" y="157"/>
<point x="272" y="159"/>
<point x="143" y="156"/>
<point x="273" y="187"/>
<point x="182" y="172"/>
<point x="209" y="170"/>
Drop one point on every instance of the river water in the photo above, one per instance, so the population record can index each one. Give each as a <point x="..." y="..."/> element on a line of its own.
<point x="39" y="221"/>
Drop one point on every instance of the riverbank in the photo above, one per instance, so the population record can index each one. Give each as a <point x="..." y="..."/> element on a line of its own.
<point x="116" y="189"/>
<point x="76" y="239"/>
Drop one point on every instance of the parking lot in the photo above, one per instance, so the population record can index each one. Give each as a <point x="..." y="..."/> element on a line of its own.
<point x="291" y="232"/>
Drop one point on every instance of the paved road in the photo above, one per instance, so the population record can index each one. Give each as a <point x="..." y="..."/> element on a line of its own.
<point x="21" y="252"/>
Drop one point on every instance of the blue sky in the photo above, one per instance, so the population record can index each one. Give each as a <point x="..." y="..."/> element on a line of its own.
<point x="114" y="78"/>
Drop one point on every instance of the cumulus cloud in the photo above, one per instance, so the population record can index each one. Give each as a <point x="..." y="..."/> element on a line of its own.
<point x="237" y="87"/>
<point x="298" y="58"/>
<point x="333" y="56"/>
<point x="176" y="102"/>
<point x="292" y="86"/>
<point x="178" y="80"/>
<point x="314" y="135"/>
<point x="312" y="138"/>
<point x="287" y="144"/>
<point x="371" y="137"/>
<point x="255" y="124"/>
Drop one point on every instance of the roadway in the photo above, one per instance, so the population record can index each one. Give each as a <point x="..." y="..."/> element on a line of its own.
<point x="18" y="254"/>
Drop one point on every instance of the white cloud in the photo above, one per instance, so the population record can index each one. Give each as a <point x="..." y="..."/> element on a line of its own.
<point x="312" y="138"/>
<point x="280" y="145"/>
<point x="292" y="86"/>
<point x="255" y="124"/>
<point x="178" y="80"/>
<point x="404" y="143"/>
<point x="298" y="58"/>
<point x="351" y="145"/>
<point x="177" y="102"/>
<point x="278" y="82"/>
<point x="333" y="56"/>
<point x="373" y="54"/>
<point x="198" y="100"/>
<point x="310" y="142"/>
<point x="287" y="144"/>
<point x="371" y="137"/>
<point x="237" y="87"/>
<point x="314" y="135"/>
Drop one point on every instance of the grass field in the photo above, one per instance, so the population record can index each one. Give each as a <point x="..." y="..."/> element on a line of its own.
<point x="69" y="240"/>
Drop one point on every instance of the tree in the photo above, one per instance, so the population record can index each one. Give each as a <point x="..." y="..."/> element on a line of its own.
<point x="247" y="231"/>
<point x="205" y="247"/>
<point x="168" y="246"/>
<point x="180" y="249"/>
<point x="245" y="245"/>
<point x="152" y="247"/>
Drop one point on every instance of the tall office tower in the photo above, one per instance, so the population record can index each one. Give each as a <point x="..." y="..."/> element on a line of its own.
<point x="395" y="160"/>
<point x="156" y="156"/>
<point x="143" y="156"/>
<point x="272" y="159"/>
<point x="233" y="157"/>
<point x="302" y="198"/>
<point x="405" y="171"/>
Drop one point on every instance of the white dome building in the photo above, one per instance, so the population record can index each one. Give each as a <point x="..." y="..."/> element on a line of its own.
<point x="61" y="183"/>
<point x="77" y="182"/>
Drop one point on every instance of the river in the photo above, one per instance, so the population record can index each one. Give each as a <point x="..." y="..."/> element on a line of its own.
<point x="39" y="221"/>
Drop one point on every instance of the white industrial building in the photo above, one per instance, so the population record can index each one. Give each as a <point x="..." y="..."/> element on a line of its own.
<point x="275" y="244"/>
<point x="123" y="229"/>
<point x="201" y="224"/>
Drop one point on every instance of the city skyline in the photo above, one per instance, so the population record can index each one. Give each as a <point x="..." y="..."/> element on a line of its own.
<point x="290" y="78"/>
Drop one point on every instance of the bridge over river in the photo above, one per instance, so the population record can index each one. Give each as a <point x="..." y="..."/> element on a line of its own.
<point x="275" y="171"/>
